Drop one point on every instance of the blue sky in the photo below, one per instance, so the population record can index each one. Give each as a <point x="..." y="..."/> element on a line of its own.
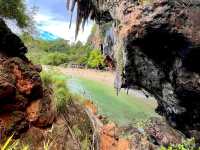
<point x="53" y="17"/>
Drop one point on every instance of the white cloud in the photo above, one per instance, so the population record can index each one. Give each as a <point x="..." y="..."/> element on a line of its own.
<point x="61" y="29"/>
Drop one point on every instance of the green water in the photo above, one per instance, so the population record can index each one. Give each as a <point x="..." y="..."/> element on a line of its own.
<point x="122" y="109"/>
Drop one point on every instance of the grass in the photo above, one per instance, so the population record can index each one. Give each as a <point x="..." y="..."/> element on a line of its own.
<point x="65" y="102"/>
<point x="122" y="109"/>
<point x="11" y="144"/>
<point x="58" y="83"/>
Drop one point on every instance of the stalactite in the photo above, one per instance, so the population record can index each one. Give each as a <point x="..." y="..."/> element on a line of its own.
<point x="83" y="23"/>
<point x="87" y="9"/>
<point x="68" y="4"/>
<point x="84" y="9"/>
<point x="73" y="5"/>
<point x="78" y="21"/>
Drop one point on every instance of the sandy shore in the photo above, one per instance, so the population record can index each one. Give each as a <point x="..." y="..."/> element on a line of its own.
<point x="102" y="76"/>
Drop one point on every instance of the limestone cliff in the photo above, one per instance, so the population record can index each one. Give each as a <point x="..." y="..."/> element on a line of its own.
<point x="157" y="48"/>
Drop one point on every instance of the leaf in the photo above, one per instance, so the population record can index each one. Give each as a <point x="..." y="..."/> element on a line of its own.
<point x="7" y="143"/>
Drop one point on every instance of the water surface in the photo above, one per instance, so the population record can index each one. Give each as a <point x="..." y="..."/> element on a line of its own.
<point x="123" y="109"/>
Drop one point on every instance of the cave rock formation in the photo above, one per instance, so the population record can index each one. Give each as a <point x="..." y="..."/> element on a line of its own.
<point x="157" y="48"/>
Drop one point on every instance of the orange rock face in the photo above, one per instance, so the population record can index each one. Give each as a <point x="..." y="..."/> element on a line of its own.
<point x="21" y="91"/>
<point x="109" y="140"/>
<point x="23" y="85"/>
<point x="23" y="100"/>
<point x="12" y="122"/>
<point x="33" y="111"/>
<point x="89" y="105"/>
<point x="40" y="113"/>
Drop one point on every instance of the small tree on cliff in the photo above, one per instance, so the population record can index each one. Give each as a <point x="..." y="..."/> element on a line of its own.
<point x="96" y="59"/>
<point x="14" y="9"/>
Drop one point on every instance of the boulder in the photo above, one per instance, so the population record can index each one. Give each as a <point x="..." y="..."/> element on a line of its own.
<point x="160" y="133"/>
<point x="12" y="123"/>
<point x="40" y="112"/>
<point x="23" y="100"/>
<point x="7" y="90"/>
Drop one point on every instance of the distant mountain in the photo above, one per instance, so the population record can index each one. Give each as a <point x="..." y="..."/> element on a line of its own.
<point x="47" y="36"/>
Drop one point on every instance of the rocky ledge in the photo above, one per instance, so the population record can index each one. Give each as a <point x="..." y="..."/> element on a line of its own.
<point x="24" y="102"/>
<point x="161" y="44"/>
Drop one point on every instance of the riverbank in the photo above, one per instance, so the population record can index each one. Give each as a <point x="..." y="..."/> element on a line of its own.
<point x="105" y="77"/>
<point x="97" y="86"/>
<point x="97" y="75"/>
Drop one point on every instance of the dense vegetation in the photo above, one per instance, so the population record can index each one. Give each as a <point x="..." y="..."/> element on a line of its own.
<point x="61" y="52"/>
<point x="57" y="83"/>
<point x="95" y="59"/>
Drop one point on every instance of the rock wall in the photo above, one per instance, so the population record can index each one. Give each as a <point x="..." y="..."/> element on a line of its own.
<point x="157" y="48"/>
<point x="161" y="51"/>
<point x="24" y="102"/>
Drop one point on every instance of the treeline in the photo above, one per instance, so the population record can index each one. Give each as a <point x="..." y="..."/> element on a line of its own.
<point x="61" y="52"/>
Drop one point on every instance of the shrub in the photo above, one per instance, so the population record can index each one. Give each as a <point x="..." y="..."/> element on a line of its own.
<point x="96" y="59"/>
<point x="188" y="144"/>
<point x="55" y="58"/>
<point x="62" y="95"/>
<point x="56" y="52"/>
<point x="58" y="83"/>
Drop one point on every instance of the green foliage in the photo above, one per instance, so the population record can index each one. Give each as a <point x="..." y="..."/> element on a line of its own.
<point x="96" y="59"/>
<point x="59" y="85"/>
<point x="85" y="144"/>
<point x="188" y="144"/>
<point x="14" y="9"/>
<point x="60" y="52"/>
<point x="55" y="58"/>
<point x="56" y="52"/>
